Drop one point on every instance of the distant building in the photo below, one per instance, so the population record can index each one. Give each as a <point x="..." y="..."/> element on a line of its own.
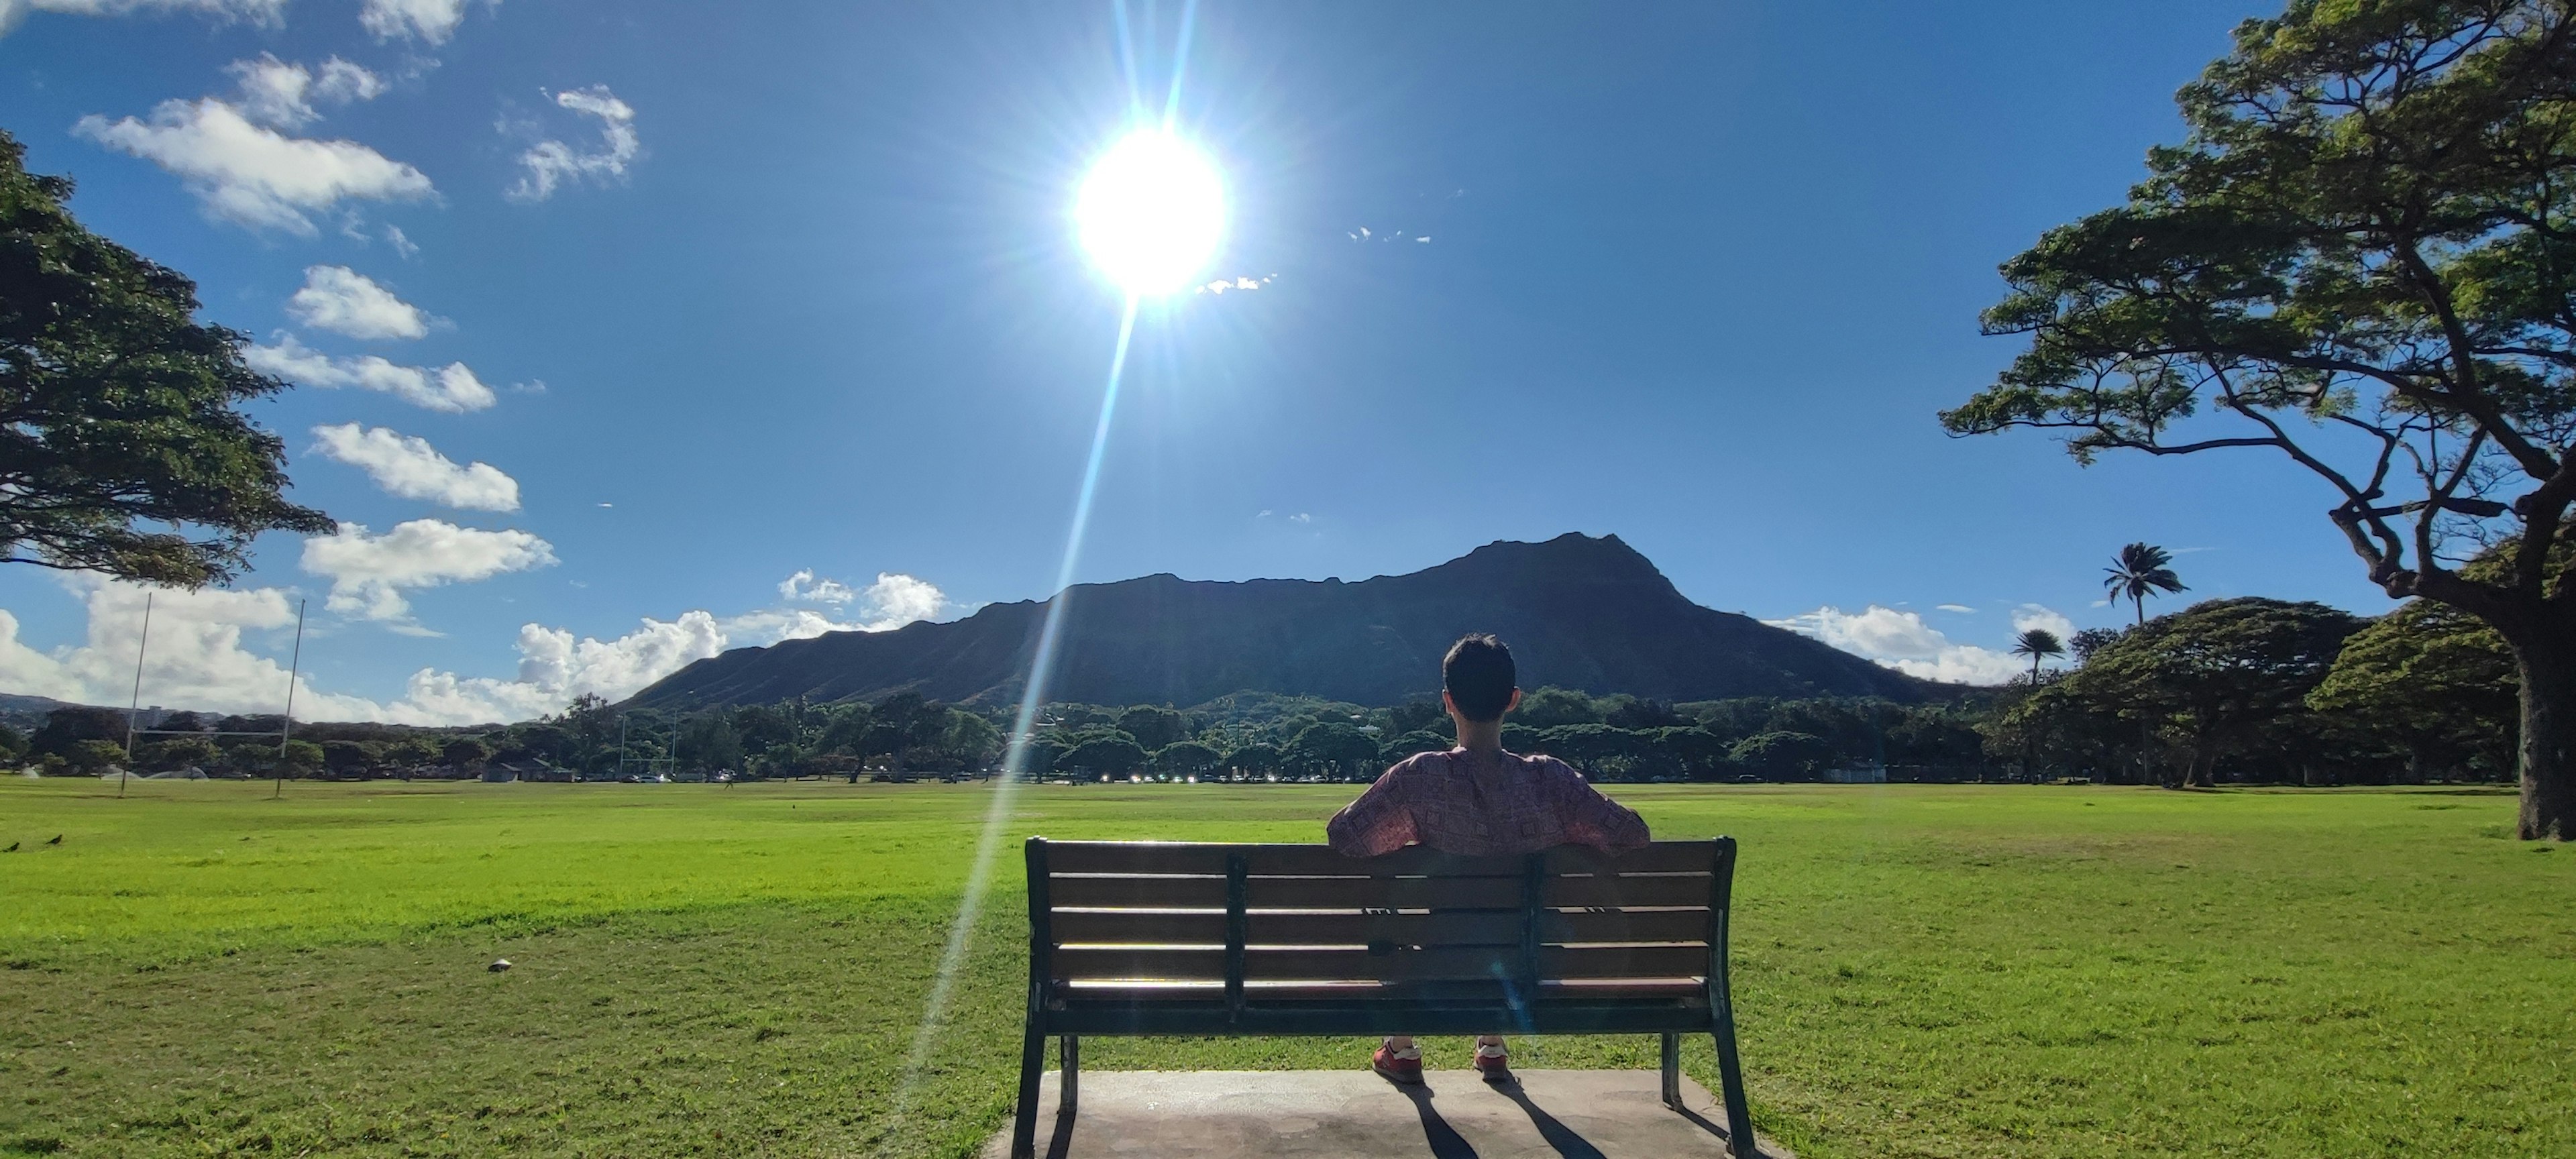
<point x="1873" y="773"/>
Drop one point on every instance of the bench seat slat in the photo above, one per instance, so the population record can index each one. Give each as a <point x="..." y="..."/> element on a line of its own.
<point x="1136" y="892"/>
<point x="1382" y="892"/>
<point x="1175" y="857"/>
<point x="1682" y="993"/>
<point x="1299" y="860"/>
<point x="1612" y="892"/>
<point x="1403" y="964"/>
<point x="1437" y="928"/>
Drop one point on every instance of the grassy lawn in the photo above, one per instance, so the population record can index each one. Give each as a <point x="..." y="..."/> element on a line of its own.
<point x="1932" y="971"/>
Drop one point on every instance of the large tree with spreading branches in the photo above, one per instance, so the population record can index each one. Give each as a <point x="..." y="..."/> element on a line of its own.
<point x="123" y="448"/>
<point x="2362" y="259"/>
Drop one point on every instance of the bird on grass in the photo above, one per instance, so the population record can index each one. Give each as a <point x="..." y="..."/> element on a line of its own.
<point x="13" y="848"/>
<point x="58" y="839"/>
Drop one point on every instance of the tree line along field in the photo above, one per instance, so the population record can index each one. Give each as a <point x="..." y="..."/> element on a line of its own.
<point x="2242" y="690"/>
<point x="1925" y="970"/>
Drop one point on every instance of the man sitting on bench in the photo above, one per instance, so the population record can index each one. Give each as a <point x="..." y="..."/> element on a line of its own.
<point x="1477" y="800"/>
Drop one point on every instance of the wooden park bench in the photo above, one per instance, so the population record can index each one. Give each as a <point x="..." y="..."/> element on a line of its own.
<point x="1155" y="938"/>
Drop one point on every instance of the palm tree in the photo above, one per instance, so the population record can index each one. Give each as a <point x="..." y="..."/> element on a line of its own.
<point x="2139" y="571"/>
<point x="2038" y="644"/>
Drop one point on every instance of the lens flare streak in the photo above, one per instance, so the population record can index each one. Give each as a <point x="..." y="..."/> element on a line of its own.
<point x="998" y="814"/>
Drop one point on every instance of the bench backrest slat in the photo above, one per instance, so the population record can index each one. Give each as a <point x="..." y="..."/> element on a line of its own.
<point x="1253" y="917"/>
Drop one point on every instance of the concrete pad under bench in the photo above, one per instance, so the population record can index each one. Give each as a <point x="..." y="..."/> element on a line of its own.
<point x="1549" y="1114"/>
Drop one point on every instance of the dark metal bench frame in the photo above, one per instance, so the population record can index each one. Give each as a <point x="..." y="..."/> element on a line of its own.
<point x="1415" y="1010"/>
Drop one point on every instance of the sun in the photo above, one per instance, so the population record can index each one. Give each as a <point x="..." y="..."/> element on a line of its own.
<point x="1151" y="213"/>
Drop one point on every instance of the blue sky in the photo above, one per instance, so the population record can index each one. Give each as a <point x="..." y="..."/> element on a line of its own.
<point x="745" y="292"/>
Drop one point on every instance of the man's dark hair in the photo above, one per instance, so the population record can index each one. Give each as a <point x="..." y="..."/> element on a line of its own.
<point x="1479" y="676"/>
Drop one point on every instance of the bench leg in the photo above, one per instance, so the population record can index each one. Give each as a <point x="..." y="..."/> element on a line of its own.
<point x="1730" y="1077"/>
<point x="1024" y="1128"/>
<point x="1071" y="1088"/>
<point x="1673" y="1071"/>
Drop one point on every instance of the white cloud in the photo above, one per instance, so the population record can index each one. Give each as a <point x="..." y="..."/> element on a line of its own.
<point x="369" y="573"/>
<point x="772" y="625"/>
<point x="1301" y="517"/>
<point x="550" y="163"/>
<point x="2029" y="616"/>
<point x="401" y="241"/>
<point x="895" y="599"/>
<point x="1424" y="239"/>
<point x="281" y="94"/>
<point x="344" y="301"/>
<point x="264" y="12"/>
<point x="554" y="667"/>
<point x="803" y="586"/>
<point x="1962" y="609"/>
<point x="1221" y="285"/>
<point x="198" y="658"/>
<point x="1901" y="640"/>
<point x="432" y="21"/>
<point x="451" y="388"/>
<point x="250" y="174"/>
<point x="412" y="469"/>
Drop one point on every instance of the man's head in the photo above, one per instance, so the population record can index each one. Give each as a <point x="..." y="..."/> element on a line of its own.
<point x="1477" y="678"/>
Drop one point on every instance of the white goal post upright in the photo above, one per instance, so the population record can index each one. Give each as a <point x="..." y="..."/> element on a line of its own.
<point x="134" y="708"/>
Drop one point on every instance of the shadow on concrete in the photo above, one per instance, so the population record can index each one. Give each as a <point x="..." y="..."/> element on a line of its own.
<point x="1710" y="1126"/>
<point x="1557" y="1135"/>
<point x="1444" y="1140"/>
<point x="1061" y="1142"/>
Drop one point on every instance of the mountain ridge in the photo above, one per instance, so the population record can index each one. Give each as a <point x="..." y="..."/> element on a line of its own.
<point x="1578" y="611"/>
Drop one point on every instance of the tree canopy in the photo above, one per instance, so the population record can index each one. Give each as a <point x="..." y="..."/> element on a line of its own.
<point x="2363" y="259"/>
<point x="123" y="448"/>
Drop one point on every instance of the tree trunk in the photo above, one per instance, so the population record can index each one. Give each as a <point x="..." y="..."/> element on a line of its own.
<point x="2548" y="671"/>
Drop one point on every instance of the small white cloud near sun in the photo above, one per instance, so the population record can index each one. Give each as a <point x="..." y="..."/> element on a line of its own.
<point x="1151" y="213"/>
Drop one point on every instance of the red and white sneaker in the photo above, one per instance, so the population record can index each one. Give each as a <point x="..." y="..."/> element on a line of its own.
<point x="1493" y="1063"/>
<point x="1401" y="1066"/>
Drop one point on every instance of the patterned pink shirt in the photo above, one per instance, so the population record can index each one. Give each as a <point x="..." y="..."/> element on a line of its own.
<point x="1480" y="806"/>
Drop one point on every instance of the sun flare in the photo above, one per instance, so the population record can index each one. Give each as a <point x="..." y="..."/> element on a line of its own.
<point x="1151" y="213"/>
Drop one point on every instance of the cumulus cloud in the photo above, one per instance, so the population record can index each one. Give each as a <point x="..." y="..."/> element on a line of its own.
<point x="895" y="599"/>
<point x="251" y="174"/>
<point x="432" y="21"/>
<point x="197" y="656"/>
<point x="369" y="573"/>
<point x="410" y="468"/>
<point x="555" y="667"/>
<point x="276" y="93"/>
<point x="2029" y="616"/>
<point x="451" y="388"/>
<point x="200" y="659"/>
<point x="1901" y="640"/>
<point x="804" y="587"/>
<point x="264" y="12"/>
<point x="344" y="301"/>
<point x="550" y="163"/>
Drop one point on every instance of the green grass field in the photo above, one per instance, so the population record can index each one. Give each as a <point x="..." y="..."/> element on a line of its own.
<point x="1924" y="971"/>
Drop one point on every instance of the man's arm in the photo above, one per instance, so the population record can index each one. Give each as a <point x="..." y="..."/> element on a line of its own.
<point x="1376" y="823"/>
<point x="1593" y="819"/>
